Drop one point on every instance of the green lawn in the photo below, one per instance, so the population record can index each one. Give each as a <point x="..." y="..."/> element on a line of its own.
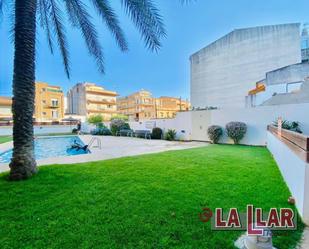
<point x="149" y="201"/>
<point x="4" y="139"/>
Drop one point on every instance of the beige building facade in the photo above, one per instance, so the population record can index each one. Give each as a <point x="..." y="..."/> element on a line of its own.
<point x="5" y="109"/>
<point x="167" y="107"/>
<point x="49" y="105"/>
<point x="143" y="106"/>
<point x="88" y="99"/>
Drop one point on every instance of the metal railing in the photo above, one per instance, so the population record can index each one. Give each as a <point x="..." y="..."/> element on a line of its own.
<point x="92" y="141"/>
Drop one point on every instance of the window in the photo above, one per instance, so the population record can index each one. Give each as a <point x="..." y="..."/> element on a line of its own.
<point x="44" y="113"/>
<point x="54" y="114"/>
<point x="44" y="101"/>
<point x="54" y="102"/>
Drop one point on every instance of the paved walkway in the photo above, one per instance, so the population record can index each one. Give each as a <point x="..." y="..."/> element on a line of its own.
<point x="112" y="147"/>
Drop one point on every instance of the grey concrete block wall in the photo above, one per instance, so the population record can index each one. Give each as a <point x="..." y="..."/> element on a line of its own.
<point x="223" y="72"/>
<point x="293" y="73"/>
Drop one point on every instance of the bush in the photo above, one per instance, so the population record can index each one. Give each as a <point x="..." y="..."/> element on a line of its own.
<point x="289" y="125"/>
<point x="101" y="131"/>
<point x="214" y="133"/>
<point x="156" y="133"/>
<point x="170" y="135"/>
<point x="120" y="116"/>
<point x="236" y="131"/>
<point x="117" y="125"/>
<point x="101" y="126"/>
<point x="95" y="119"/>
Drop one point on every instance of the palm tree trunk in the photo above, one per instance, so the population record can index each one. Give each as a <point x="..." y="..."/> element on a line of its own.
<point x="23" y="163"/>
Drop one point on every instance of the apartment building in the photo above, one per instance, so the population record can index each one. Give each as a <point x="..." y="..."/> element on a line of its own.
<point x="143" y="106"/>
<point x="49" y="104"/>
<point x="167" y="107"/>
<point x="87" y="99"/>
<point x="137" y="106"/>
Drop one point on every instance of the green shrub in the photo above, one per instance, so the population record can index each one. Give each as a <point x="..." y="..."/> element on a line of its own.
<point x="170" y="135"/>
<point x="101" y="131"/>
<point x="120" y="116"/>
<point x="95" y="119"/>
<point x="117" y="125"/>
<point x="101" y="125"/>
<point x="214" y="133"/>
<point x="289" y="125"/>
<point x="156" y="133"/>
<point x="236" y="131"/>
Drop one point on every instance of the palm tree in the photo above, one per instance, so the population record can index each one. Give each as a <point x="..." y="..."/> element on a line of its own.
<point x="50" y="13"/>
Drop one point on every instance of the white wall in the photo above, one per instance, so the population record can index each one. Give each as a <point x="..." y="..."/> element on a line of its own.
<point x="193" y="125"/>
<point x="223" y="72"/>
<point x="182" y="125"/>
<point x="294" y="171"/>
<point x="256" y="119"/>
<point x="44" y="129"/>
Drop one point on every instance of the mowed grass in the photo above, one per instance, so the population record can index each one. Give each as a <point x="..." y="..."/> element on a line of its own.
<point x="4" y="139"/>
<point x="149" y="201"/>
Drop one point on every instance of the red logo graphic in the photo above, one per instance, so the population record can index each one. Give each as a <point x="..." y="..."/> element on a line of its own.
<point x="206" y="215"/>
<point x="254" y="220"/>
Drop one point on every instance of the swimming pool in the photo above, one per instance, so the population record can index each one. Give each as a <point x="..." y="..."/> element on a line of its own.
<point x="46" y="147"/>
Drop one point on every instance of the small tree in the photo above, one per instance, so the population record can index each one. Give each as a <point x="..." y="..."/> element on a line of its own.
<point x="95" y="120"/>
<point x="236" y="131"/>
<point x="120" y="116"/>
<point x="117" y="125"/>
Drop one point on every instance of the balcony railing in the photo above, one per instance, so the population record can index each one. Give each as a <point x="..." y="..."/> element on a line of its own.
<point x="103" y="102"/>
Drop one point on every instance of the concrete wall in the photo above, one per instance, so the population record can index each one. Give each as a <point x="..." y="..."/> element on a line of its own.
<point x="256" y="119"/>
<point x="224" y="72"/>
<point x="294" y="171"/>
<point x="289" y="74"/>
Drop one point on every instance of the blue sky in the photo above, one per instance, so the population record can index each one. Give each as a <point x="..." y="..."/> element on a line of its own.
<point x="190" y="27"/>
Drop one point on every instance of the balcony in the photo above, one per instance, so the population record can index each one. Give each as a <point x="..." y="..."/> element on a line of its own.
<point x="101" y="102"/>
<point x="100" y="111"/>
<point x="53" y="106"/>
<point x="103" y="93"/>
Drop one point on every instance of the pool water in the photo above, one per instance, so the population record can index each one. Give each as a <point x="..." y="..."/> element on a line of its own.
<point x="50" y="147"/>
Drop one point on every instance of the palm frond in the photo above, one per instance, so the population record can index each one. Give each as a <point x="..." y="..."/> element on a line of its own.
<point x="44" y="8"/>
<point x="110" y="18"/>
<point x="148" y="21"/>
<point x="57" y="21"/>
<point x="80" y="17"/>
